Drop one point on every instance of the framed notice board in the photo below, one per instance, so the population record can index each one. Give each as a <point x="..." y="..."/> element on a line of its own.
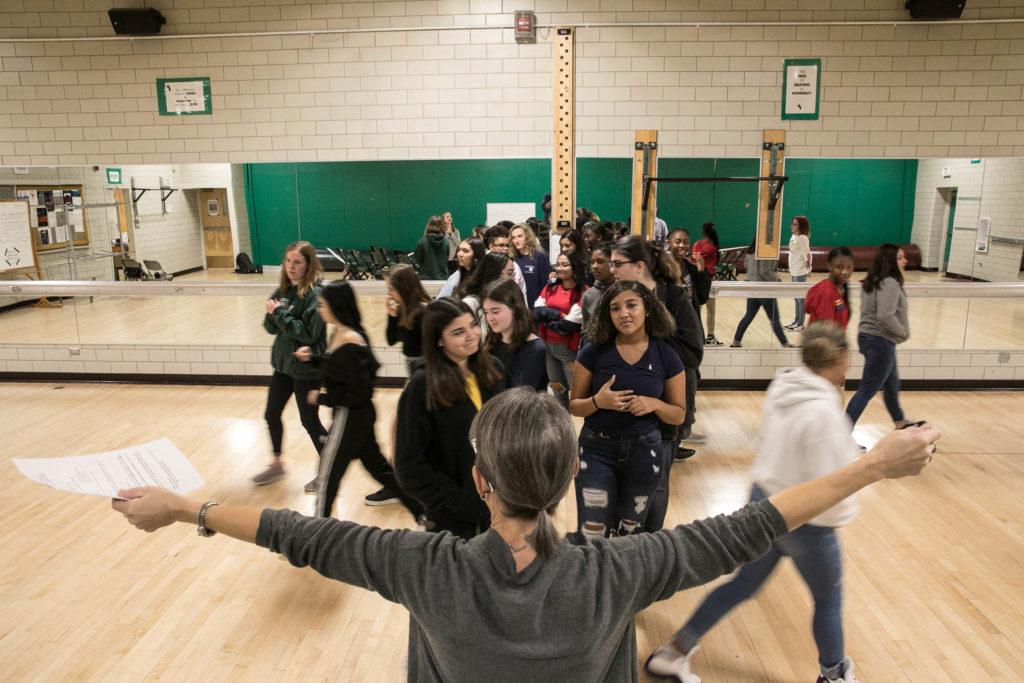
<point x="801" y="88"/>
<point x="56" y="215"/>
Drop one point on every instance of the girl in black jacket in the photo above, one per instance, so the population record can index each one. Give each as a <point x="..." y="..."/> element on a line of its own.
<point x="406" y="301"/>
<point x="349" y="370"/>
<point x="433" y="455"/>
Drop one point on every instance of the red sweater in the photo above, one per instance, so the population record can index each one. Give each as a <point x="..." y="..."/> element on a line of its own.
<point x="710" y="254"/>
<point x="825" y="302"/>
<point x="566" y="302"/>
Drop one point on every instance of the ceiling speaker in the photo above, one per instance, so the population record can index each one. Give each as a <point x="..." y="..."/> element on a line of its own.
<point x="936" y="9"/>
<point x="136" y="22"/>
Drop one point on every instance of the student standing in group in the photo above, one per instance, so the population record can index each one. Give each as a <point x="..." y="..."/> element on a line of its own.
<point x="433" y="454"/>
<point x="627" y="381"/>
<point x="799" y="263"/>
<point x="494" y="267"/>
<point x="883" y="325"/>
<point x="291" y="316"/>
<point x="636" y="259"/>
<point x="406" y="300"/>
<point x="693" y="275"/>
<point x="348" y="370"/>
<point x="511" y="339"/>
<point x="498" y="242"/>
<point x="601" y="270"/>
<point x="805" y="435"/>
<point x="707" y="249"/>
<point x="559" y="312"/>
<point x="830" y="298"/>
<point x="431" y="252"/>
<point x="533" y="261"/>
<point x="453" y="239"/>
<point x="760" y="270"/>
<point x="469" y="254"/>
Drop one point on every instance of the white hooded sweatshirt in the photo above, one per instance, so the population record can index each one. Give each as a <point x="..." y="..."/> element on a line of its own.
<point x="806" y="434"/>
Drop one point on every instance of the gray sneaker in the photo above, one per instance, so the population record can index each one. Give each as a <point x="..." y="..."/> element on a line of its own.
<point x="268" y="476"/>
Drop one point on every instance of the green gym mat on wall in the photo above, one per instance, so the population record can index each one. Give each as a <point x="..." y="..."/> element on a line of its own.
<point x="387" y="203"/>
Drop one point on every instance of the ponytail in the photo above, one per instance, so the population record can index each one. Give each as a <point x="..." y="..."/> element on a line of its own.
<point x="660" y="264"/>
<point x="545" y="538"/>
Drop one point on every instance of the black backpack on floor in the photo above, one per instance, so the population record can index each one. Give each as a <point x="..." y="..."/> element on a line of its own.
<point x="243" y="264"/>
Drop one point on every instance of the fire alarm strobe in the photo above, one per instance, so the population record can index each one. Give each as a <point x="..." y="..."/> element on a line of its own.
<point x="526" y="26"/>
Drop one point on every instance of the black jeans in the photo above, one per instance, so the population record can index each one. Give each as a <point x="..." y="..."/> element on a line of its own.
<point x="771" y="309"/>
<point x="282" y="387"/>
<point x="352" y="437"/>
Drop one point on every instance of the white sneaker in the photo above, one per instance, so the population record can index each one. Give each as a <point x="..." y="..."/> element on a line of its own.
<point x="848" y="677"/>
<point x="666" y="662"/>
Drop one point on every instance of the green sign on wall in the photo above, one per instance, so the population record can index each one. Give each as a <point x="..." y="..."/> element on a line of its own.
<point x="113" y="176"/>
<point x="801" y="87"/>
<point x="184" y="96"/>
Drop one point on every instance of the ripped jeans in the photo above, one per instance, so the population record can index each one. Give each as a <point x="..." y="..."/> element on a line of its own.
<point x="617" y="480"/>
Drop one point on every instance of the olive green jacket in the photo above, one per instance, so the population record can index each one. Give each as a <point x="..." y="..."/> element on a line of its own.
<point x="295" y="324"/>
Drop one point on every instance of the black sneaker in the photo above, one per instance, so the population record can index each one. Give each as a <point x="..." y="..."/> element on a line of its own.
<point x="682" y="453"/>
<point x="384" y="496"/>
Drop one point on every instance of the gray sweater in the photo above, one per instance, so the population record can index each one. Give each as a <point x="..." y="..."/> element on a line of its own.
<point x="567" y="618"/>
<point x="884" y="312"/>
<point x="761" y="270"/>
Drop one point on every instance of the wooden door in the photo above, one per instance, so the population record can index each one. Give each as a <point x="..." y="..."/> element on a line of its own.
<point x="213" y="207"/>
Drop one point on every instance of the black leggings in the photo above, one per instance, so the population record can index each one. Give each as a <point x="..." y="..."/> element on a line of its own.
<point x="282" y="387"/>
<point x="352" y="437"/>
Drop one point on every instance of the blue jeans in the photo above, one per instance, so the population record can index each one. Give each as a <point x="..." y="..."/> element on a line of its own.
<point x="880" y="372"/>
<point x="617" y="480"/>
<point x="771" y="309"/>
<point x="798" y="315"/>
<point x="659" y="503"/>
<point x="559" y="366"/>
<point x="815" y="551"/>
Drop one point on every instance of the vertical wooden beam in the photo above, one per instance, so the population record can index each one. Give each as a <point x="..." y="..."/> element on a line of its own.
<point x="773" y="158"/>
<point x="563" y="157"/>
<point x="645" y="165"/>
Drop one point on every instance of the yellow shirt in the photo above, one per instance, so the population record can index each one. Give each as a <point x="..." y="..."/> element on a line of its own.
<point x="473" y="390"/>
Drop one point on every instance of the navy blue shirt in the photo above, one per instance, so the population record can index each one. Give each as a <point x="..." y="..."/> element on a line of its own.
<point x="646" y="377"/>
<point x="527" y="367"/>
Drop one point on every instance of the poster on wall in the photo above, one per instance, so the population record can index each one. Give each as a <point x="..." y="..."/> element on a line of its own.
<point x="801" y="86"/>
<point x="515" y="212"/>
<point x="184" y="96"/>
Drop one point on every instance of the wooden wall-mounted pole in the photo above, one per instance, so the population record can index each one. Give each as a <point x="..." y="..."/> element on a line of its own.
<point x="769" y="204"/>
<point x="645" y="165"/>
<point x="563" y="157"/>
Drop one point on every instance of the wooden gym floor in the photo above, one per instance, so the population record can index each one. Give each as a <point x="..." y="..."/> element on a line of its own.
<point x="934" y="587"/>
<point x="237" y="320"/>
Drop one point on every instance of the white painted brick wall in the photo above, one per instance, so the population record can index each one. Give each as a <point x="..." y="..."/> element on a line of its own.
<point x="887" y="91"/>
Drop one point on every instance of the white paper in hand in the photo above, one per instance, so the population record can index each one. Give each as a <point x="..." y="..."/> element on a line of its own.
<point x="157" y="463"/>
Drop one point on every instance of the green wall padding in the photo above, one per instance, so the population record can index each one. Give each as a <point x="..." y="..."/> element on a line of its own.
<point x="387" y="203"/>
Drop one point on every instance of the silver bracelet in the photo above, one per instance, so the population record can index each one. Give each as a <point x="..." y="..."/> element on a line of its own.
<point x="201" y="529"/>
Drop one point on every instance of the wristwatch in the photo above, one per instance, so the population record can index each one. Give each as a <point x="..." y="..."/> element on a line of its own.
<point x="201" y="529"/>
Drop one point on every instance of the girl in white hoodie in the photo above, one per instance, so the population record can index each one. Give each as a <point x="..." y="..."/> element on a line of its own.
<point x="806" y="434"/>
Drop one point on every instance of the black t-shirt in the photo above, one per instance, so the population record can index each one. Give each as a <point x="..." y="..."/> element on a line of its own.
<point x="646" y="377"/>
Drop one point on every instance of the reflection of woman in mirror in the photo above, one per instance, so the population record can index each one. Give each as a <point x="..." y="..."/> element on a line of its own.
<point x="883" y="325"/>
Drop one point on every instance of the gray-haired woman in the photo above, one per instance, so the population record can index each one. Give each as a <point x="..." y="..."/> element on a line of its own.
<point x="517" y="602"/>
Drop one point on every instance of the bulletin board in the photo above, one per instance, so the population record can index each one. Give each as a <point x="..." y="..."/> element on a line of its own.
<point x="56" y="215"/>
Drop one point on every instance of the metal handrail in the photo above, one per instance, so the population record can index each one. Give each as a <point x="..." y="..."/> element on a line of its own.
<point x="720" y="289"/>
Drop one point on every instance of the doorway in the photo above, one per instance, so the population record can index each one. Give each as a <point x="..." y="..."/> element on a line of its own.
<point x="213" y="207"/>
